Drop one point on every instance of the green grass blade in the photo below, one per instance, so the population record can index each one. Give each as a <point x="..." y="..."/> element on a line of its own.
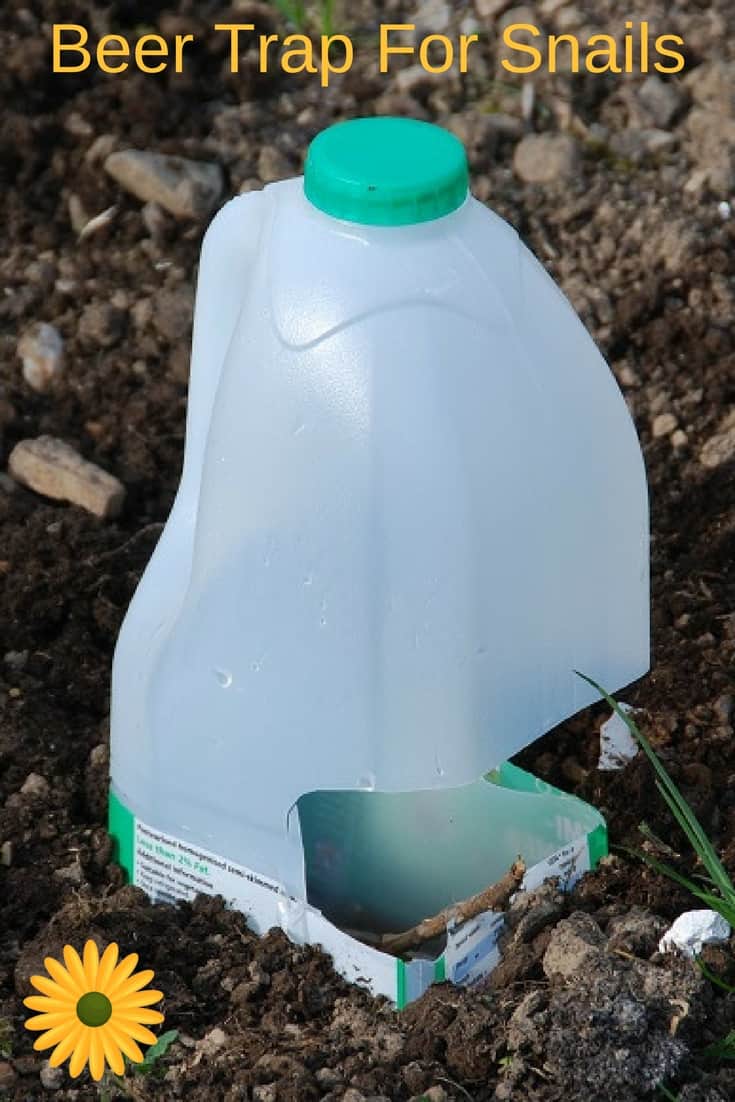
<point x="667" y="1093"/>
<point x="713" y="977"/>
<point x="714" y="902"/>
<point x="722" y="1050"/>
<point x="679" y="807"/>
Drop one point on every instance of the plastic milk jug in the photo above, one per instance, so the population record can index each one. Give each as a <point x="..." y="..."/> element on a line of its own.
<point x="413" y="503"/>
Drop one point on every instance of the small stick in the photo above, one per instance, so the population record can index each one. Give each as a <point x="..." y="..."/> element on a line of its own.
<point x="494" y="898"/>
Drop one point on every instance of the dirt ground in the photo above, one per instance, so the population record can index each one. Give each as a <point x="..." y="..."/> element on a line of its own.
<point x="634" y="221"/>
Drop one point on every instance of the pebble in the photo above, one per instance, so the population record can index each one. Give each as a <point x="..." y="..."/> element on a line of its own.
<point x="6" y="854"/>
<point x="8" y="1075"/>
<point x="172" y="313"/>
<point x="267" y="1092"/>
<point x="273" y="165"/>
<point x="212" y="1042"/>
<point x="186" y="189"/>
<point x="679" y="439"/>
<point x="433" y="16"/>
<point x="628" y="377"/>
<point x="720" y="447"/>
<point x="661" y="99"/>
<point x="545" y="158"/>
<point x="52" y="1079"/>
<point x="663" y="425"/>
<point x="54" y="469"/>
<point x="723" y="707"/>
<point x="35" y="785"/>
<point x="102" y="325"/>
<point x="41" y="348"/>
<point x="489" y="9"/>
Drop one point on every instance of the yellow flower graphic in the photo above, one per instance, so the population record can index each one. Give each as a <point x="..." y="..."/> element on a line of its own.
<point x="93" y="1010"/>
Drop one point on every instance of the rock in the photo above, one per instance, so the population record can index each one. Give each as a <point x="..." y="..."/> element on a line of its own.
<point x="576" y="945"/>
<point x="6" y="854"/>
<point x="545" y="158"/>
<point x="102" y="325"/>
<point x="41" y="348"/>
<point x="415" y="1076"/>
<point x="431" y="17"/>
<point x="187" y="189"/>
<point x="172" y="314"/>
<point x="352" y="1095"/>
<point x="637" y="932"/>
<point x="723" y="708"/>
<point x="663" y="425"/>
<point x="434" y="1094"/>
<point x="711" y="142"/>
<point x="490" y="9"/>
<point x="266" y="1092"/>
<point x="634" y="144"/>
<point x="8" y="1075"/>
<point x="35" y="785"/>
<point x="328" y="1078"/>
<point x="522" y="1029"/>
<point x="679" y="439"/>
<point x="16" y="659"/>
<point x="52" y="1079"/>
<point x="53" y="469"/>
<point x="721" y="447"/>
<point x="273" y="165"/>
<point x="662" y="100"/>
<point x="712" y="85"/>
<point x="211" y="1043"/>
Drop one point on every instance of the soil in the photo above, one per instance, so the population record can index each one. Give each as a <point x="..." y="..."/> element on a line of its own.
<point x="639" y="233"/>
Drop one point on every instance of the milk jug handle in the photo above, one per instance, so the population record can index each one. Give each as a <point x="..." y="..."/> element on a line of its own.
<point x="227" y="261"/>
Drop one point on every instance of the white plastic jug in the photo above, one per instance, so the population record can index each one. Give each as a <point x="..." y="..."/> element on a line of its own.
<point x="413" y="503"/>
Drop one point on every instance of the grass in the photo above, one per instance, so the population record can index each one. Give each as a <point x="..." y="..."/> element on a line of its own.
<point x="301" y="14"/>
<point x="148" y="1067"/>
<point x="716" y="889"/>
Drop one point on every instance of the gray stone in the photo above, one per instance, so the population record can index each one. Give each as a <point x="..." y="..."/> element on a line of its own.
<point x="545" y="158"/>
<point x="432" y="17"/>
<point x="662" y="100"/>
<point x="41" y="348"/>
<point x="187" y="189"/>
<point x="491" y="9"/>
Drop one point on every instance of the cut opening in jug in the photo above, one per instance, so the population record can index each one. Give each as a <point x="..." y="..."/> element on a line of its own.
<point x="381" y="862"/>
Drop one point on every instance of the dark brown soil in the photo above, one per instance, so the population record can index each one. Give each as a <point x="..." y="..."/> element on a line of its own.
<point x="642" y="242"/>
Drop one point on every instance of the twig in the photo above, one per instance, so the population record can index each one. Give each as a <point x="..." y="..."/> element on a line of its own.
<point x="490" y="899"/>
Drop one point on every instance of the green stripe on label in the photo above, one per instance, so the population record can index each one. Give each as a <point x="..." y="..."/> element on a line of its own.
<point x="440" y="970"/>
<point x="597" y="844"/>
<point x="121" y="825"/>
<point x="400" y="984"/>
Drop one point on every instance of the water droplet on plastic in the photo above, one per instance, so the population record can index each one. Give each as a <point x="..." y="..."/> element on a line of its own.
<point x="481" y="651"/>
<point x="308" y="580"/>
<point x="224" y="677"/>
<point x="323" y="621"/>
<point x="439" y="766"/>
<point x="367" y="783"/>
<point x="256" y="667"/>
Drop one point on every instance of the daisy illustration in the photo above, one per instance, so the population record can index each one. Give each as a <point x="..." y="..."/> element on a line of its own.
<point x="94" y="1010"/>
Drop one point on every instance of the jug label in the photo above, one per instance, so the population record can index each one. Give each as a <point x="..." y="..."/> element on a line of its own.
<point x="169" y="869"/>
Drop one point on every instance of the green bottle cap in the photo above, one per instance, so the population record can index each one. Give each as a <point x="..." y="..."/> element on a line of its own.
<point x="386" y="171"/>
